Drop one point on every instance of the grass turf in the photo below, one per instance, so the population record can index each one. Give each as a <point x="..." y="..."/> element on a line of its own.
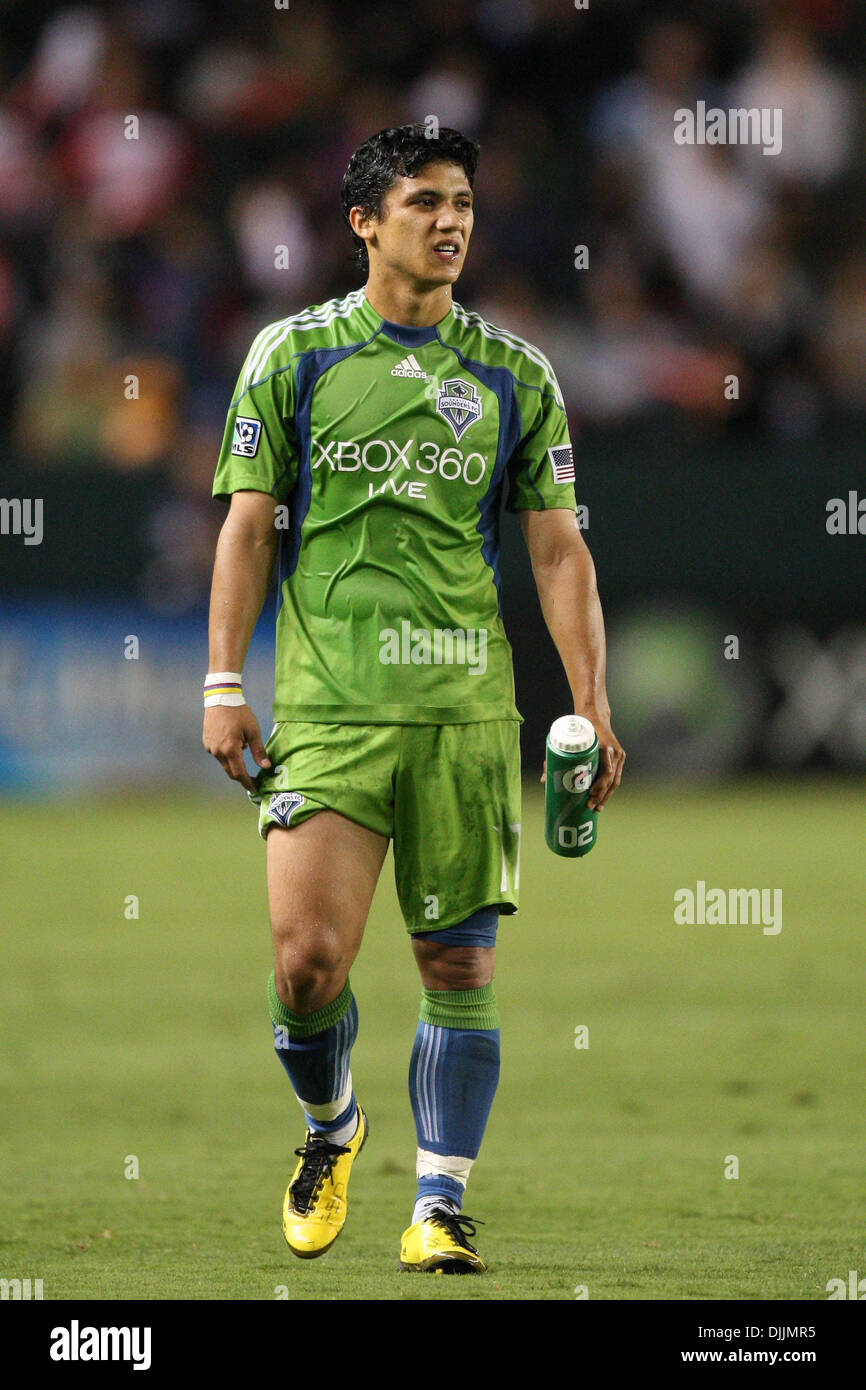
<point x="603" y="1167"/>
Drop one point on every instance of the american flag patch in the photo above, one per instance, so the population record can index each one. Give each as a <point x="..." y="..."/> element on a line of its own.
<point x="562" y="463"/>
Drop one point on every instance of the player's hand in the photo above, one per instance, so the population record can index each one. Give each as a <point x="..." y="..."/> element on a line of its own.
<point x="611" y="756"/>
<point x="228" y="730"/>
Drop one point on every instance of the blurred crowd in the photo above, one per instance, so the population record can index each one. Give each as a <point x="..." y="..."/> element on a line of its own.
<point x="154" y="154"/>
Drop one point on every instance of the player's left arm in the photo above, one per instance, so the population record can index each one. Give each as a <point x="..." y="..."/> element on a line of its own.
<point x="564" y="576"/>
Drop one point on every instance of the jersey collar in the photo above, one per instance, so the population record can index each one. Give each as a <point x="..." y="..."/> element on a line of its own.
<point x="402" y="333"/>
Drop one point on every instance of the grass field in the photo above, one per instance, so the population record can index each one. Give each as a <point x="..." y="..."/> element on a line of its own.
<point x="602" y="1167"/>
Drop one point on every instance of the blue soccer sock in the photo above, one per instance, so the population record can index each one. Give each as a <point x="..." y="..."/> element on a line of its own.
<point x="453" y="1076"/>
<point x="315" y="1050"/>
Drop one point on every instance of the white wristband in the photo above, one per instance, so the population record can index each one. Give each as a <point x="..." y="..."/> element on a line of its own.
<point x="223" y="688"/>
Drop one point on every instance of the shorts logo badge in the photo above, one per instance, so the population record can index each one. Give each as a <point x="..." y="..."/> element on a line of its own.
<point x="458" y="402"/>
<point x="282" y="807"/>
<point x="246" y="436"/>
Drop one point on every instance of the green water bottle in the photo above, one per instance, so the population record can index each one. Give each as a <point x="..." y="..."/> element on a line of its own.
<point x="571" y="764"/>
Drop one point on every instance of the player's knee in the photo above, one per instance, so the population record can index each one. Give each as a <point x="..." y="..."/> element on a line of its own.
<point x="458" y="957"/>
<point x="308" y="975"/>
<point x="454" y="967"/>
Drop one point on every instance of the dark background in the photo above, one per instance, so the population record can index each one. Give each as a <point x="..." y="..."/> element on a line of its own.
<point x="155" y="256"/>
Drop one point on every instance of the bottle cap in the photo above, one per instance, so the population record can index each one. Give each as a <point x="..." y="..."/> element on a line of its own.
<point x="571" y="734"/>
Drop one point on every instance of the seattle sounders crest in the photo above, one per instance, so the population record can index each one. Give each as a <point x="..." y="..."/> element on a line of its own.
<point x="458" y="402"/>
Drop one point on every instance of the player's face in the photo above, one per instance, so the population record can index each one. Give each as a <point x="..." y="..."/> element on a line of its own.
<point x="426" y="225"/>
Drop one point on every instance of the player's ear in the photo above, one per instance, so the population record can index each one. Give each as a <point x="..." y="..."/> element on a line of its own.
<point x="361" y="223"/>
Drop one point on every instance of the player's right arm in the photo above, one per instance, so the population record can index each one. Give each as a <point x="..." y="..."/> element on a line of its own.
<point x="242" y="568"/>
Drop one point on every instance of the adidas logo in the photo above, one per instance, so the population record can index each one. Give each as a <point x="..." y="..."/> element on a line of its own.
<point x="410" y="366"/>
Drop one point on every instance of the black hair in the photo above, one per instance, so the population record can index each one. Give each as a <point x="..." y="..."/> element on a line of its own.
<point x="398" y="151"/>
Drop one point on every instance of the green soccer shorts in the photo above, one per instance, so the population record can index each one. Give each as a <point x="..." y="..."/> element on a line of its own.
<point x="447" y="795"/>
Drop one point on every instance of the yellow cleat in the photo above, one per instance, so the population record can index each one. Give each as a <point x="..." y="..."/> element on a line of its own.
<point x="438" y="1245"/>
<point x="314" y="1207"/>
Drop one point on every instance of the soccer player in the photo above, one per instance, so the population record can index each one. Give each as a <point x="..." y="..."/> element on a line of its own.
<point x="370" y="440"/>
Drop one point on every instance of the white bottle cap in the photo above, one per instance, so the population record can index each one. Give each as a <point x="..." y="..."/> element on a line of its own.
<point x="571" y="734"/>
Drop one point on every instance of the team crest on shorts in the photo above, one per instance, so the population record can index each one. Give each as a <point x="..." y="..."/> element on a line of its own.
<point x="282" y="807"/>
<point x="246" y="436"/>
<point x="458" y="402"/>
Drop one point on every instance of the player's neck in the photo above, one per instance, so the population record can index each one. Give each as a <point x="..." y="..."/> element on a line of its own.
<point x="399" y="302"/>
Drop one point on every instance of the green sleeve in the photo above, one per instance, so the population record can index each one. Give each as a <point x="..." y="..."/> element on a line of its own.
<point x="541" y="469"/>
<point x="259" y="449"/>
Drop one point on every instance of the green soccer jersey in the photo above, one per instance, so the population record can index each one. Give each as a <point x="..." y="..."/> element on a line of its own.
<point x="387" y="449"/>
